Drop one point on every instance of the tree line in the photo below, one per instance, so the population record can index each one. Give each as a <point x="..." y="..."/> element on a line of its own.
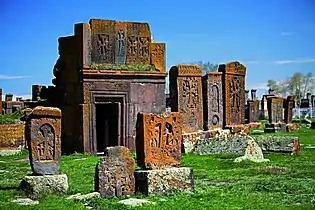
<point x="298" y="84"/>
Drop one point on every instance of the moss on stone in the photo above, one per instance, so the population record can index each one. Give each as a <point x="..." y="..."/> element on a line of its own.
<point x="138" y="67"/>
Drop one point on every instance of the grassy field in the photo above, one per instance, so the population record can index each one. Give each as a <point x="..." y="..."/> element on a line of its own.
<point x="220" y="183"/>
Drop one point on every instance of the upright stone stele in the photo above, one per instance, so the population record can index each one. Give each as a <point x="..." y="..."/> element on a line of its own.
<point x="43" y="132"/>
<point x="158" y="144"/>
<point x="114" y="175"/>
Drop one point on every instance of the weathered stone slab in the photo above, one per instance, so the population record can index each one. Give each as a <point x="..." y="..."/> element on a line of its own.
<point x="281" y="144"/>
<point x="222" y="145"/>
<point x="39" y="186"/>
<point x="234" y="93"/>
<point x="186" y="95"/>
<point x="164" y="181"/>
<point x="158" y="140"/>
<point x="291" y="127"/>
<point x="252" y="153"/>
<point x="275" y="110"/>
<point x="114" y="175"/>
<point x="43" y="132"/>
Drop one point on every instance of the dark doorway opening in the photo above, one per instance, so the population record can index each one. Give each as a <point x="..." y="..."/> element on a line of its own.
<point x="108" y="125"/>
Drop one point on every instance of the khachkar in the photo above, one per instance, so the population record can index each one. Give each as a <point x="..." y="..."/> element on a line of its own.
<point x="275" y="115"/>
<point x="233" y="93"/>
<point x="43" y="133"/>
<point x="212" y="100"/>
<point x="114" y="175"/>
<point x="158" y="141"/>
<point x="186" y="95"/>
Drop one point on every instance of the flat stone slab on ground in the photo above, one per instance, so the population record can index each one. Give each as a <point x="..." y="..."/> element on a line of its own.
<point x="164" y="181"/>
<point x="39" y="186"/>
<point x="280" y="144"/>
<point x="133" y="202"/>
<point x="222" y="145"/>
<point x="79" y="196"/>
<point x="25" y="201"/>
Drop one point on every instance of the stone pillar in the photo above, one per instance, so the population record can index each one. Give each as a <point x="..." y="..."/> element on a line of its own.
<point x="234" y="93"/>
<point x="43" y="139"/>
<point x="253" y="94"/>
<point x="271" y="92"/>
<point x="289" y="104"/>
<point x="0" y="101"/>
<point x="313" y="101"/>
<point x="212" y="100"/>
<point x="275" y="110"/>
<point x="8" y="97"/>
<point x="246" y="96"/>
<point x="186" y="95"/>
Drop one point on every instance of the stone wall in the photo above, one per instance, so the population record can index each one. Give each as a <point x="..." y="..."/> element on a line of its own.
<point x="12" y="136"/>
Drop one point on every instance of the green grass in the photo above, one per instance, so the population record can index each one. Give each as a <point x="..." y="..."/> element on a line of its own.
<point x="11" y="118"/>
<point x="220" y="183"/>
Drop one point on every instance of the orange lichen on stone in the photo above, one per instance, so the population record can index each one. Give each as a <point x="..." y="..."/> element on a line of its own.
<point x="46" y="111"/>
<point x="12" y="136"/>
<point x="186" y="95"/>
<point x="158" y="140"/>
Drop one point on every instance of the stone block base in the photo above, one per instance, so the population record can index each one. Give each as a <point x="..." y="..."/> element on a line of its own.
<point x="39" y="186"/>
<point x="238" y="129"/>
<point x="279" y="144"/>
<point x="273" y="128"/>
<point x="164" y="181"/>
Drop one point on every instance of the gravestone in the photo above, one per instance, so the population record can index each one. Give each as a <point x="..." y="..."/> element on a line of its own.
<point x="186" y="95"/>
<point x="275" y="109"/>
<point x="158" y="140"/>
<point x="252" y="114"/>
<point x="158" y="144"/>
<point x="313" y="101"/>
<point x="212" y="100"/>
<point x="43" y="133"/>
<point x="289" y="104"/>
<point x="234" y="93"/>
<point x="114" y="175"/>
<point x="0" y="101"/>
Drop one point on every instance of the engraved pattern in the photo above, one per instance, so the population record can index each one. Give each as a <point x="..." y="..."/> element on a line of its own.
<point x="161" y="136"/>
<point x="46" y="143"/>
<point x="190" y="103"/>
<point x="143" y="50"/>
<point x="158" y="56"/>
<point x="103" y="48"/>
<point x="120" y="49"/>
<point x="235" y="114"/>
<point x="132" y="46"/>
<point x="215" y="98"/>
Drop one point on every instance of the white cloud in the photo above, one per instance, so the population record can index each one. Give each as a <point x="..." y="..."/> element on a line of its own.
<point x="286" y="33"/>
<point x="3" y="76"/>
<point x="257" y="86"/>
<point x="303" y="60"/>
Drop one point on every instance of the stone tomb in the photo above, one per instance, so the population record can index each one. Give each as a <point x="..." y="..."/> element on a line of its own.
<point x="43" y="132"/>
<point x="158" y="151"/>
<point x="212" y="100"/>
<point x="186" y="95"/>
<point x="234" y="93"/>
<point x="114" y="175"/>
<point x="106" y="73"/>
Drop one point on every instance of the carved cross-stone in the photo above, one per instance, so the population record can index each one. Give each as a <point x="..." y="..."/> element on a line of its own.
<point x="235" y="98"/>
<point x="190" y="92"/>
<point x="46" y="142"/>
<point x="103" y="43"/>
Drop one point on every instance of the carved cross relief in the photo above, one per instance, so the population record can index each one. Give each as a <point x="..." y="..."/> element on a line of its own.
<point x="46" y="142"/>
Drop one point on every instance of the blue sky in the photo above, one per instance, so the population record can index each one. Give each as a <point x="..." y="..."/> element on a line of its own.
<point x="273" y="38"/>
